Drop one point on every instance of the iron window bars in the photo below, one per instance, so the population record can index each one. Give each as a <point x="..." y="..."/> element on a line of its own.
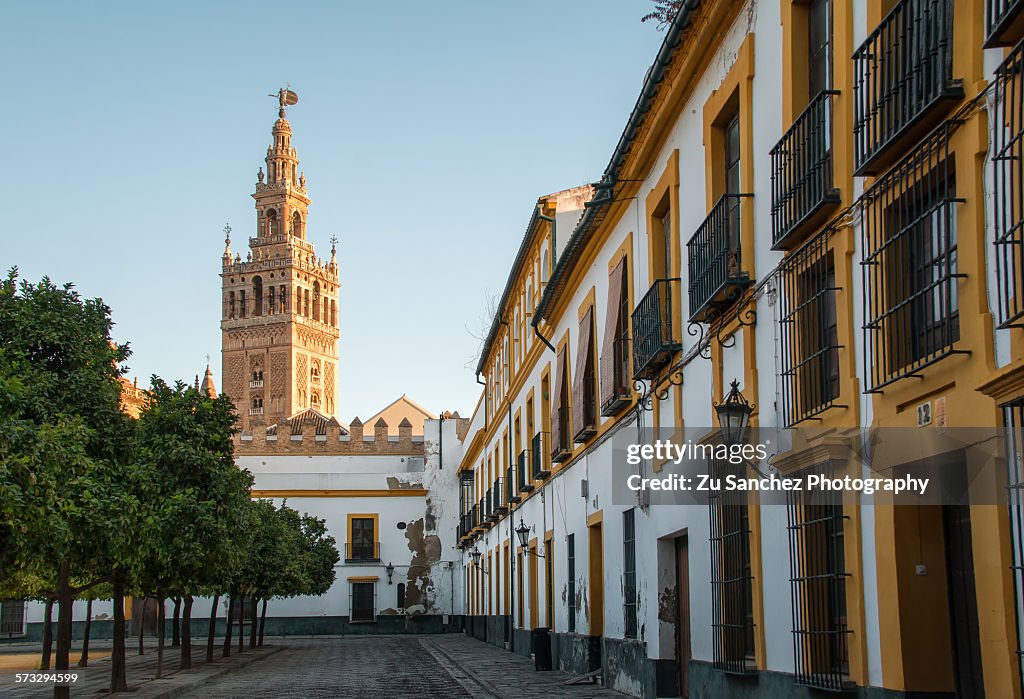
<point x="629" y="573"/>
<point x="732" y="620"/>
<point x="1004" y="22"/>
<point x="362" y="601"/>
<point x="562" y="449"/>
<point x="818" y="575"/>
<point x="802" y="184"/>
<point x="1008" y="189"/>
<point x="809" y="341"/>
<point x="911" y="304"/>
<point x="653" y="337"/>
<point x="714" y="254"/>
<point x="12" y="618"/>
<point x="500" y="505"/>
<point x="901" y="71"/>
<point x="362" y="551"/>
<point x="1013" y="419"/>
<point x="539" y="471"/>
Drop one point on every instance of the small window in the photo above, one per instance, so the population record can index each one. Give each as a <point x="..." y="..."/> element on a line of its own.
<point x="401" y="597"/>
<point x="363" y="543"/>
<point x="629" y="572"/>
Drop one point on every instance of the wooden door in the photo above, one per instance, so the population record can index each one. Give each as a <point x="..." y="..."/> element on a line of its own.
<point x="683" y="651"/>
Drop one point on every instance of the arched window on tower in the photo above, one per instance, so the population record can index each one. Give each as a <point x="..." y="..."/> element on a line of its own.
<point x="298" y="300"/>
<point x="271" y="222"/>
<point x="257" y="295"/>
<point x="283" y="299"/>
<point x="334" y="314"/>
<point x="271" y="300"/>
<point x="316" y="300"/>
<point x="297" y="224"/>
<point x="241" y="303"/>
<point x="231" y="304"/>
<point x="306" y="302"/>
<point x="314" y="400"/>
<point x="327" y="316"/>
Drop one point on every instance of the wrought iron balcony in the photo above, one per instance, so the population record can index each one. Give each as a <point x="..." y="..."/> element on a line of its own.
<point x="653" y="338"/>
<point x="902" y="72"/>
<point x="618" y="395"/>
<point x="511" y="493"/>
<point x="1004" y="22"/>
<point x="487" y="505"/>
<point x="802" y="186"/>
<point x="369" y="551"/>
<point x="716" y="276"/>
<point x="525" y="486"/>
<point x="539" y="466"/>
<point x="561" y="448"/>
<point x="500" y="506"/>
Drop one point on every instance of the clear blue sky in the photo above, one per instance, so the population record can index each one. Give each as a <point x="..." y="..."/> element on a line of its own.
<point x="133" y="131"/>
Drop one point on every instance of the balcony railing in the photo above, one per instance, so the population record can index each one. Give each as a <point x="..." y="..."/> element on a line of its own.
<point x="618" y="395"/>
<point x="362" y="551"/>
<point x="539" y="466"/>
<point x="716" y="276"/>
<point x="500" y="504"/>
<point x="902" y="71"/>
<point x="486" y="506"/>
<point x="525" y="486"/>
<point x="561" y="449"/>
<point x="314" y="379"/>
<point x="1004" y="22"/>
<point x="255" y="411"/>
<point x="653" y="338"/>
<point x="256" y="383"/>
<point x="802" y="184"/>
<point x="511" y="490"/>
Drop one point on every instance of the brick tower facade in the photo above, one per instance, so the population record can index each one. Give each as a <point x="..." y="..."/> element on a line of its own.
<point x="279" y="322"/>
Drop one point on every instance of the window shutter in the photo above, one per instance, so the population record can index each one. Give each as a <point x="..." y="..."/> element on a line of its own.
<point x="611" y="333"/>
<point x="556" y="402"/>
<point x="583" y="359"/>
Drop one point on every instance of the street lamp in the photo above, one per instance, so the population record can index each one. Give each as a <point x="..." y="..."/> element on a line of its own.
<point x="733" y="415"/>
<point x="390" y="570"/>
<point x="476" y="554"/>
<point x="523" y="532"/>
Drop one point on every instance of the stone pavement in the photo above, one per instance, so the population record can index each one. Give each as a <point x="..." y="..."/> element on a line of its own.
<point x="394" y="667"/>
<point x="95" y="679"/>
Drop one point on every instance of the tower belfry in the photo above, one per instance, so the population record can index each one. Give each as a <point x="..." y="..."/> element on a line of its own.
<point x="280" y="304"/>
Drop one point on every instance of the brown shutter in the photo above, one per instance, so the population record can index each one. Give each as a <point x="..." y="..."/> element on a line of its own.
<point x="583" y="359"/>
<point x="556" y="402"/>
<point x="611" y="333"/>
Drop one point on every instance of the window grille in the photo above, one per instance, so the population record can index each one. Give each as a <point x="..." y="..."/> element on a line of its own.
<point x="1003" y="22"/>
<point x="818" y="586"/>
<point x="809" y="341"/>
<point x="654" y="338"/>
<point x="363" y="601"/>
<point x="909" y="268"/>
<point x="1008" y="186"/>
<point x="12" y="618"/>
<point x="732" y="620"/>
<point x="629" y="572"/>
<point x="1013" y="418"/>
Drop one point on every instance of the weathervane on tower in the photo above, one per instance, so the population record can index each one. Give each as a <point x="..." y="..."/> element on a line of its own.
<point x="285" y="98"/>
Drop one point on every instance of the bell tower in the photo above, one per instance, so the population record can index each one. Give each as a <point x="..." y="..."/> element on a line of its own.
<point x="279" y="322"/>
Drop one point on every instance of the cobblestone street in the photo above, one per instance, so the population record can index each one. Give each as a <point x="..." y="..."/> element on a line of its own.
<point x="403" y="667"/>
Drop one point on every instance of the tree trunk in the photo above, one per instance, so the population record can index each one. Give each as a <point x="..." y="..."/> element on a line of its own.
<point x="65" y="608"/>
<point x="161" y="631"/>
<point x="186" y="634"/>
<point x="227" y="626"/>
<point x="263" y="620"/>
<point x="176" y="624"/>
<point x="118" y="674"/>
<point x="84" y="660"/>
<point x="252" y="623"/>
<point x="212" y="630"/>
<point x="241" y="624"/>
<point x="142" y="625"/>
<point x="44" y="662"/>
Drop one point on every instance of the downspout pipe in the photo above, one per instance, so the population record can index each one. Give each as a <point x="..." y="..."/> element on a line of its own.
<point x="486" y="405"/>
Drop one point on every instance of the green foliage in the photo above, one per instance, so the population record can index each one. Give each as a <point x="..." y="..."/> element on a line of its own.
<point x="664" y="12"/>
